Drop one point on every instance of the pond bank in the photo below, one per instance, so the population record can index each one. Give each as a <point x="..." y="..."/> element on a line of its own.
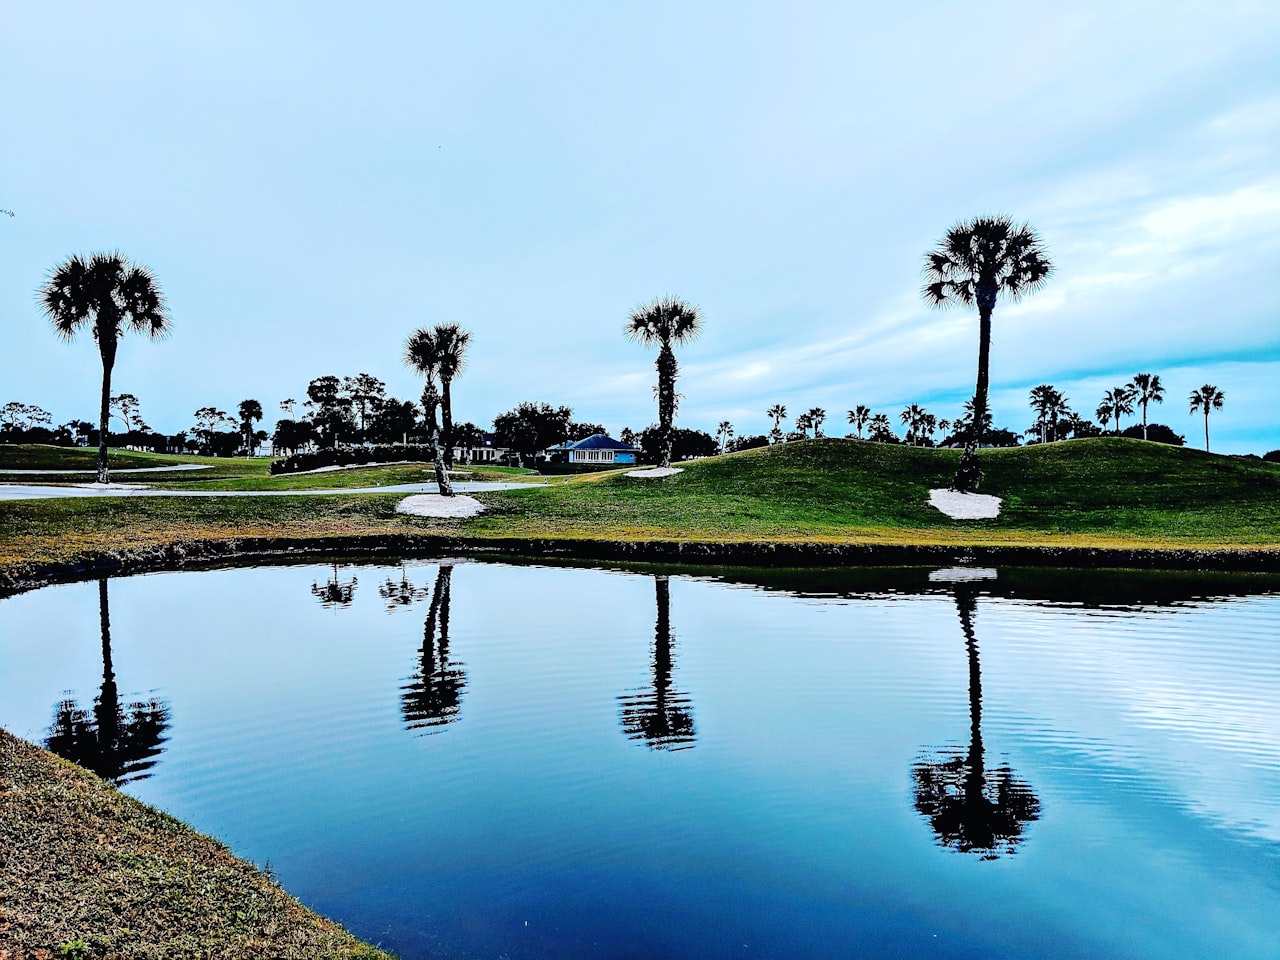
<point x="89" y="872"/>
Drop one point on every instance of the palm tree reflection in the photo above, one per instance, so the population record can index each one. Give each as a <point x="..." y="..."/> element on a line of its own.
<point x="400" y="593"/>
<point x="972" y="808"/>
<point x="334" y="592"/>
<point x="660" y="716"/>
<point x="118" y="741"/>
<point x="433" y="695"/>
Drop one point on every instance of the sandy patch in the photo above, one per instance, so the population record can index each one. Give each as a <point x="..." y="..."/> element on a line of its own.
<point x="434" y="505"/>
<point x="965" y="506"/>
<point x="655" y="473"/>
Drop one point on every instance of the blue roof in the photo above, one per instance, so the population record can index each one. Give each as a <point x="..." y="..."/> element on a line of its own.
<point x="600" y="442"/>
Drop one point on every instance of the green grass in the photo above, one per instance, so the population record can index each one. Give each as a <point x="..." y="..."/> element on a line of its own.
<point x="1106" y="493"/>
<point x="225" y="473"/>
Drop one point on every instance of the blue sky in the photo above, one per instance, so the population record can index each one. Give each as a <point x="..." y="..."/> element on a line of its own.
<point x="310" y="182"/>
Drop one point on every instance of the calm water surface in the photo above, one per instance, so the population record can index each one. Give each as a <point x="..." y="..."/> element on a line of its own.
<point x="486" y="760"/>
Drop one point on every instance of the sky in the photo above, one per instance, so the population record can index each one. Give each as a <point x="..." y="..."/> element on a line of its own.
<point x="310" y="182"/>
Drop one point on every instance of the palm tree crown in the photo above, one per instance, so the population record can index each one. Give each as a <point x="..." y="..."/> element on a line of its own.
<point x="974" y="263"/>
<point x="110" y="295"/>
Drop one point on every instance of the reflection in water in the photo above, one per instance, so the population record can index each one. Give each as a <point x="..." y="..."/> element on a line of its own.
<point x="433" y="694"/>
<point x="119" y="742"/>
<point x="400" y="593"/>
<point x="660" y="716"/>
<point x="971" y="808"/>
<point x="334" y="592"/>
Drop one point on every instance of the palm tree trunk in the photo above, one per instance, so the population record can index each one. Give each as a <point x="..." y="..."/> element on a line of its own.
<point x="446" y="417"/>
<point x="1206" y="428"/>
<point x="104" y="410"/>
<point x="968" y="474"/>
<point x="1144" y="419"/>
<point x="667" y="369"/>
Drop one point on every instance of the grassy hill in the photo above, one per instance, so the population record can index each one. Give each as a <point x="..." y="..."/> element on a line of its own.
<point x="1109" y="494"/>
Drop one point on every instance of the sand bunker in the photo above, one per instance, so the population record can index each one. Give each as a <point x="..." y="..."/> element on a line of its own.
<point x="434" y="505"/>
<point x="965" y="506"/>
<point x="654" y="473"/>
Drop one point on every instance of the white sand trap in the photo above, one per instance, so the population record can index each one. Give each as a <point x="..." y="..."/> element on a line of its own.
<point x="434" y="505"/>
<point x="965" y="506"/>
<point x="655" y="473"/>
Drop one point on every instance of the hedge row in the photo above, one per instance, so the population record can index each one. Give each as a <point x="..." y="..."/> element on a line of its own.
<point x="352" y="456"/>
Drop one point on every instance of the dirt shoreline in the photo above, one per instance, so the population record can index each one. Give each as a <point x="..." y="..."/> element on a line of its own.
<point x="189" y="553"/>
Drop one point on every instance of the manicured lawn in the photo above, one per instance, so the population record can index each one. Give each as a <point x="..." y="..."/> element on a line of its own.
<point x="1106" y="493"/>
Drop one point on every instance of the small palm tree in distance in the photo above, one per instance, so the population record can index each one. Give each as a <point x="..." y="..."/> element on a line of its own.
<point x="109" y="295"/>
<point x="1147" y="388"/>
<point x="816" y="415"/>
<point x="1207" y="398"/>
<point x="975" y="262"/>
<point x="723" y="433"/>
<point x="778" y="413"/>
<point x="858" y="418"/>
<point x="664" y="322"/>
<point x="1116" y="402"/>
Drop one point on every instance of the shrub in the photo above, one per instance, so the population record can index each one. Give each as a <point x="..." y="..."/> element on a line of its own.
<point x="1156" y="433"/>
<point x="1272" y="456"/>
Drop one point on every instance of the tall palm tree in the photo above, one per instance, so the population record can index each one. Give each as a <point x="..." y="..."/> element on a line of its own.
<point x="1116" y="402"/>
<point x="250" y="410"/>
<point x="439" y="352"/>
<point x="974" y="263"/>
<point x="880" y="425"/>
<point x="723" y="433"/>
<point x="1041" y="399"/>
<point x="1206" y="398"/>
<point x="858" y="418"/>
<point x="1147" y="388"/>
<point x="779" y="413"/>
<point x="109" y="295"/>
<point x="664" y="322"/>
<point x="816" y="415"/>
<point x="972" y="808"/>
<point x="335" y="592"/>
<point x="660" y="716"/>
<point x="119" y="741"/>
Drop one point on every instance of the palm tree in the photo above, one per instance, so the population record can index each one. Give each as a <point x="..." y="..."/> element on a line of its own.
<point x="1115" y="403"/>
<point x="971" y="808"/>
<point x="816" y="415"/>
<point x="1147" y="388"/>
<point x="664" y="322"/>
<point x="913" y="417"/>
<point x="1206" y="398"/>
<point x="660" y="716"/>
<point x="858" y="418"/>
<point x="109" y="295"/>
<point x="250" y="410"/>
<point x="723" y="433"/>
<point x="118" y="741"/>
<point x="880" y="425"/>
<point x="439" y="352"/>
<point x="779" y="413"/>
<point x="974" y="263"/>
<point x="944" y="425"/>
<point x="803" y="423"/>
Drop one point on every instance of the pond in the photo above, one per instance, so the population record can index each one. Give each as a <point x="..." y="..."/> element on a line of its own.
<point x="468" y="759"/>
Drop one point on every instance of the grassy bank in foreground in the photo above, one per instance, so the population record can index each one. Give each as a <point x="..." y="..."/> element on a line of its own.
<point x="1106" y="494"/>
<point x="89" y="872"/>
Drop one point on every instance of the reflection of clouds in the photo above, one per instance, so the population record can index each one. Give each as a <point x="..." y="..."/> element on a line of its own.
<point x="1188" y="698"/>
